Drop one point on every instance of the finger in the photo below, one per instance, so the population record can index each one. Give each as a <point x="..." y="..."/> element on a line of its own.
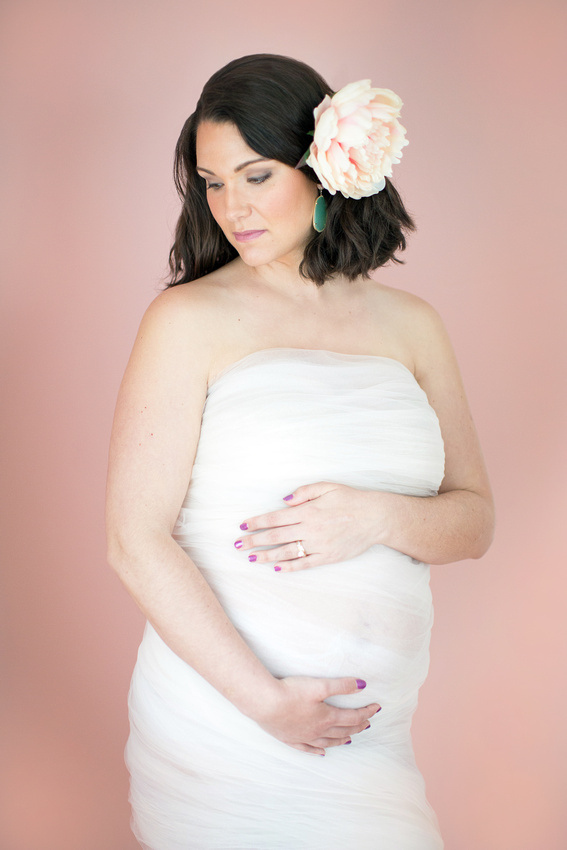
<point x="280" y="554"/>
<point x="307" y="748"/>
<point x="349" y="718"/>
<point x="275" y="519"/>
<point x="342" y="731"/>
<point x="332" y="742"/>
<point x="344" y="685"/>
<point x="309" y="491"/>
<point x="272" y="537"/>
<point x="297" y="564"/>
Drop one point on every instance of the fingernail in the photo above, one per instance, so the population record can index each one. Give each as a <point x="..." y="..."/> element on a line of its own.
<point x="366" y="727"/>
<point x="244" y="526"/>
<point x="238" y="544"/>
<point x="378" y="709"/>
<point x="277" y="568"/>
<point x="360" y="684"/>
<point x="348" y="742"/>
<point x="251" y="557"/>
<point x="287" y="498"/>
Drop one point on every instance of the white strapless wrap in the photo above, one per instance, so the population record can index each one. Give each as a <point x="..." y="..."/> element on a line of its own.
<point x="204" y="776"/>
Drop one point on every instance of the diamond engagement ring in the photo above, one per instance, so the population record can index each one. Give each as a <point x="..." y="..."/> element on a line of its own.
<point x="301" y="553"/>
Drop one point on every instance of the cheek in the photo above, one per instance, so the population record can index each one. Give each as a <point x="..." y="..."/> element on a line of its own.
<point x="216" y="208"/>
<point x="293" y="205"/>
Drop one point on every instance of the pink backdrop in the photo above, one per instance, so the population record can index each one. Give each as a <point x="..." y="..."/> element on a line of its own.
<point x="94" y="96"/>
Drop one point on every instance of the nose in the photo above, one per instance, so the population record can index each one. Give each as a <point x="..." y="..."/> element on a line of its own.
<point x="236" y="205"/>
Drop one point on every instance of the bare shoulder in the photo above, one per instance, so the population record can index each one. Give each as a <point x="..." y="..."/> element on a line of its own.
<point x="185" y="319"/>
<point x="415" y="324"/>
<point x="403" y="305"/>
<point x="195" y="304"/>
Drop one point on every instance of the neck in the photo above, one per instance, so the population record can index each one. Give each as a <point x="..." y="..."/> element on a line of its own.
<point x="283" y="277"/>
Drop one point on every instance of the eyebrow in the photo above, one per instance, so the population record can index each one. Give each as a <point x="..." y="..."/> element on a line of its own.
<point x="238" y="167"/>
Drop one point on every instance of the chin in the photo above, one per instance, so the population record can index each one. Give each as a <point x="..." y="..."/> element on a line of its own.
<point x="257" y="255"/>
<point x="255" y="258"/>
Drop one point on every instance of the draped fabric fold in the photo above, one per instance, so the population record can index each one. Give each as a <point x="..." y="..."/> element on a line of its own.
<point x="203" y="775"/>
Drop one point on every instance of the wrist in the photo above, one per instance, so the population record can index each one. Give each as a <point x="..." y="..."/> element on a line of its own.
<point x="379" y="514"/>
<point x="259" y="701"/>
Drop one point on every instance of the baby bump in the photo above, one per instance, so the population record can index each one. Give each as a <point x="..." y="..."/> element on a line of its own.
<point x="369" y="617"/>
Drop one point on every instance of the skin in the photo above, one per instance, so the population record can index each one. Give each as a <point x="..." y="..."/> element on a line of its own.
<point x="188" y="336"/>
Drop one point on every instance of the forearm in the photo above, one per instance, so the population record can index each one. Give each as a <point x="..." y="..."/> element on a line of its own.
<point x="181" y="606"/>
<point x="437" y="530"/>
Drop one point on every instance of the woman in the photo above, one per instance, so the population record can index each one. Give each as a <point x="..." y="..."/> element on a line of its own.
<point x="277" y="482"/>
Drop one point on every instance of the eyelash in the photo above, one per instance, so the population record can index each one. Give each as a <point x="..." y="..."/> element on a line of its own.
<point x="262" y="179"/>
<point x="256" y="181"/>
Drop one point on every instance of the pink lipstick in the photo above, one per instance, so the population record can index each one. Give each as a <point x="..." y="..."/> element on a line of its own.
<point x="248" y="235"/>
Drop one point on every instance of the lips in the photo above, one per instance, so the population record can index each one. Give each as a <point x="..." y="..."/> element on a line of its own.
<point x="248" y="235"/>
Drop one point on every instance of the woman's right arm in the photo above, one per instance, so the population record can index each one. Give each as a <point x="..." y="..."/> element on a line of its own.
<point x="154" y="440"/>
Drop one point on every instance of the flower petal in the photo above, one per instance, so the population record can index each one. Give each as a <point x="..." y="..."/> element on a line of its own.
<point x="357" y="139"/>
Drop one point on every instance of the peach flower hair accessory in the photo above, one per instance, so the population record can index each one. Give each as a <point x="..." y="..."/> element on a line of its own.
<point x="357" y="139"/>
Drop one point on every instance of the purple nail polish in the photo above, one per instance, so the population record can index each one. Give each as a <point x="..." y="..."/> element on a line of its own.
<point x="238" y="544"/>
<point x="287" y="498"/>
<point x="244" y="526"/>
<point x="366" y="727"/>
<point x="251" y="557"/>
<point x="277" y="568"/>
<point x="348" y="742"/>
<point x="360" y="684"/>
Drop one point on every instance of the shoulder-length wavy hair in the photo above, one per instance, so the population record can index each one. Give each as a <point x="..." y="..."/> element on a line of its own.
<point x="271" y="100"/>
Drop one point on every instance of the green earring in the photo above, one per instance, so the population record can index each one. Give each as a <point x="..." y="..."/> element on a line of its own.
<point x="320" y="212"/>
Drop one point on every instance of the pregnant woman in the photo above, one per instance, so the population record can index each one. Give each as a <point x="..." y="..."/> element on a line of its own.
<point x="292" y="446"/>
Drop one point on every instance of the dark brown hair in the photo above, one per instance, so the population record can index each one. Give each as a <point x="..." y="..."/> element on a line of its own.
<point x="271" y="100"/>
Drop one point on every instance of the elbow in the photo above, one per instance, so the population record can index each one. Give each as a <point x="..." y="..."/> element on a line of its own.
<point x="129" y="549"/>
<point x="114" y="526"/>
<point x="485" y="535"/>
<point x="124" y="537"/>
<point x="116" y="553"/>
<point x="472" y="539"/>
<point x="482" y="549"/>
<point x="122" y="545"/>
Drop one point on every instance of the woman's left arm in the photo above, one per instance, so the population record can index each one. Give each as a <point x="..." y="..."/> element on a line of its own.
<point x="336" y="522"/>
<point x="459" y="522"/>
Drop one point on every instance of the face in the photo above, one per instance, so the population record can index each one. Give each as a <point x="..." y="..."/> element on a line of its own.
<point x="263" y="207"/>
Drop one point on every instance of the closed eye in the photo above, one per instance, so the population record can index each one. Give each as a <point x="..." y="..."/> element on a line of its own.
<point x="262" y="179"/>
<point x="256" y="181"/>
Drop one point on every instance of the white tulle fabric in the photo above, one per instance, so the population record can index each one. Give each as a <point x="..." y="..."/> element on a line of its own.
<point x="203" y="775"/>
